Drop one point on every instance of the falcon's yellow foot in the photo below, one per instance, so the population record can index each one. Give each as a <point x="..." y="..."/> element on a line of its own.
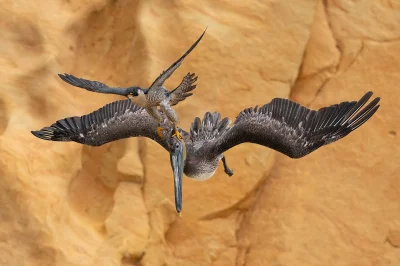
<point x="159" y="132"/>
<point x="177" y="134"/>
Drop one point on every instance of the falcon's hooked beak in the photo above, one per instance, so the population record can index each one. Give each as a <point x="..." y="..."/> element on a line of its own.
<point x="177" y="157"/>
<point x="133" y="92"/>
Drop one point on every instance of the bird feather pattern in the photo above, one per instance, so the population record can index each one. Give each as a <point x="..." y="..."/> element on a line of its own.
<point x="295" y="130"/>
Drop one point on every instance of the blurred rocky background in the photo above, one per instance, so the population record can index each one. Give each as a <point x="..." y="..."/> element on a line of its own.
<point x="64" y="204"/>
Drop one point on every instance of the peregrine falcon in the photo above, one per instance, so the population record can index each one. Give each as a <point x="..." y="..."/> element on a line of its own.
<point x="149" y="98"/>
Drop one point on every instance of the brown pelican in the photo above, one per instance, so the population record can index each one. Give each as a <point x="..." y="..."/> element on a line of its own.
<point x="282" y="125"/>
<point x="150" y="98"/>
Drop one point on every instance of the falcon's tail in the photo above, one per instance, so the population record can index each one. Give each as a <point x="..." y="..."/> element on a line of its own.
<point x="181" y="92"/>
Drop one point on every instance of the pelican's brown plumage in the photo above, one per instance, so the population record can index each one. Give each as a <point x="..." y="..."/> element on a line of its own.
<point x="282" y="125"/>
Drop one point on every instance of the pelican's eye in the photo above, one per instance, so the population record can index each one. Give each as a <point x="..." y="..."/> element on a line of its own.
<point x="177" y="145"/>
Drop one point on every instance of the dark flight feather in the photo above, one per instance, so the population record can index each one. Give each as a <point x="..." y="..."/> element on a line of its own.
<point x="159" y="81"/>
<point x="91" y="85"/>
<point x="181" y="92"/>
<point x="293" y="129"/>
<point x="114" y="121"/>
<point x="282" y="125"/>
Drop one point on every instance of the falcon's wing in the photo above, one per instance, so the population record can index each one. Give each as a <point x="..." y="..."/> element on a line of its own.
<point x="90" y="85"/>
<point x="167" y="73"/>
<point x="114" y="121"/>
<point x="181" y="92"/>
<point x="290" y="128"/>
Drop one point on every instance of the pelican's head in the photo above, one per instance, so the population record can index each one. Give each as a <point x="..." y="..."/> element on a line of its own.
<point x="177" y="157"/>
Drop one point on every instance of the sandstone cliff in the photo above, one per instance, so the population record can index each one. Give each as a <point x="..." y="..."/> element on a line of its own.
<point x="67" y="205"/>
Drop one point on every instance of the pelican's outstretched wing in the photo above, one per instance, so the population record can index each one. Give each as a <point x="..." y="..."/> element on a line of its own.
<point x="114" y="121"/>
<point x="90" y="85"/>
<point x="167" y="73"/>
<point x="292" y="129"/>
<point x="181" y="92"/>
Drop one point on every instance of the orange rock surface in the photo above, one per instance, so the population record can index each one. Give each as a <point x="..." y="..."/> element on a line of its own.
<point x="64" y="204"/>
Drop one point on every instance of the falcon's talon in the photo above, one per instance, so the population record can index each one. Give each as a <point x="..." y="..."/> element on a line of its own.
<point x="177" y="135"/>
<point x="159" y="132"/>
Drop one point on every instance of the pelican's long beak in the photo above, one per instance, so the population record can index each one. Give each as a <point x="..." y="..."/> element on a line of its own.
<point x="177" y="162"/>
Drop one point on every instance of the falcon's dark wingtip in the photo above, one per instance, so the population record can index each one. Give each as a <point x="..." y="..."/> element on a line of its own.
<point x="191" y="47"/>
<point x="70" y="79"/>
<point x="64" y="76"/>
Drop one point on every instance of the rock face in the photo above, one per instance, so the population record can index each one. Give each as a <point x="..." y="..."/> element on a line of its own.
<point x="67" y="205"/>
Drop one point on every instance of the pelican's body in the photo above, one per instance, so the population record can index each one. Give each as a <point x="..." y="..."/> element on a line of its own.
<point x="149" y="98"/>
<point x="282" y="125"/>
